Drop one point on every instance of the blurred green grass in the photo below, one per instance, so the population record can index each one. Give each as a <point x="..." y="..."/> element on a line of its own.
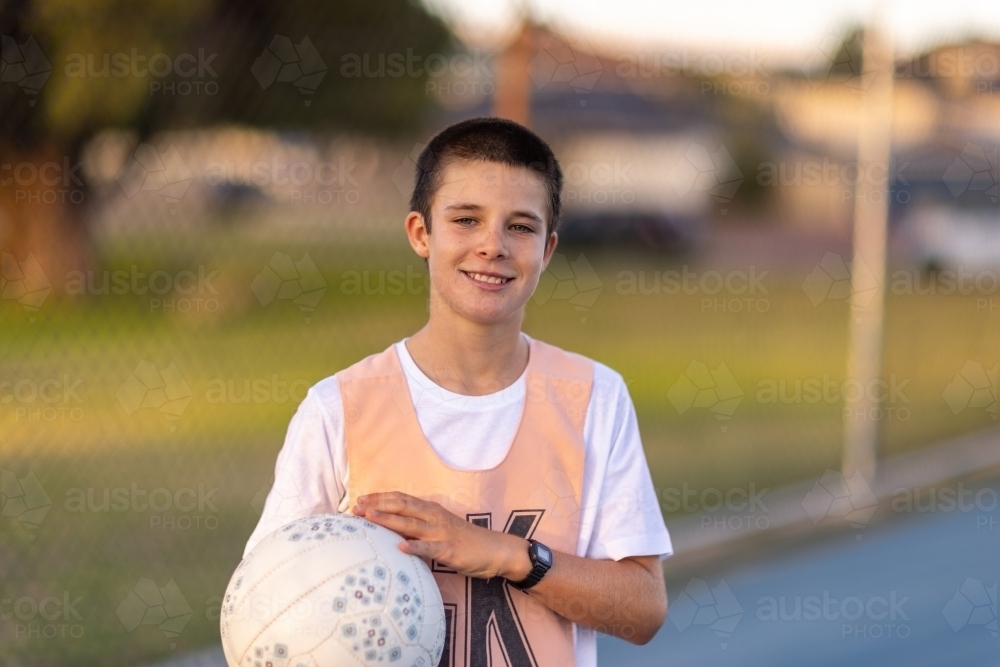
<point x="231" y="446"/>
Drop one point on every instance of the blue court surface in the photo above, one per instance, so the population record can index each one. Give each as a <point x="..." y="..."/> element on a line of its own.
<point x="917" y="590"/>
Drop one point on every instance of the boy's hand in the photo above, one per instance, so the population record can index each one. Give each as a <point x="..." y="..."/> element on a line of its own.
<point x="431" y="531"/>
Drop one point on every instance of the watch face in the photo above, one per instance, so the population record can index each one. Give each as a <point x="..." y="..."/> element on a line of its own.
<point x="543" y="554"/>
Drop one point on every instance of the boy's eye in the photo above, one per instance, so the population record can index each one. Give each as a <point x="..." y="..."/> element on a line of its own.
<point x="516" y="227"/>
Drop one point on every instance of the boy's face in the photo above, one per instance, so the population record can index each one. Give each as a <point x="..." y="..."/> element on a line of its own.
<point x="488" y="243"/>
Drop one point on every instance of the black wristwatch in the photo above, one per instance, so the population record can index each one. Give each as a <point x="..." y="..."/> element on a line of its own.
<point x="541" y="561"/>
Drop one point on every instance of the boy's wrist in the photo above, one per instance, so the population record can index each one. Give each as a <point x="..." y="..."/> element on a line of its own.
<point x="516" y="565"/>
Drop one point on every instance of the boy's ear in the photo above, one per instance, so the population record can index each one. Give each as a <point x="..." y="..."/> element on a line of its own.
<point x="417" y="234"/>
<point x="550" y="248"/>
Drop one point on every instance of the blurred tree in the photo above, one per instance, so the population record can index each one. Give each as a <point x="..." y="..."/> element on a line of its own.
<point x="349" y="80"/>
<point x="74" y="67"/>
<point x="50" y="107"/>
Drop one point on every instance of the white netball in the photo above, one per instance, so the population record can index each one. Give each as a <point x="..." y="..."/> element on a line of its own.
<point x="328" y="591"/>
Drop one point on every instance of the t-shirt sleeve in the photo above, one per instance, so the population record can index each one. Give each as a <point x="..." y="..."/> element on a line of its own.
<point x="308" y="474"/>
<point x="625" y="512"/>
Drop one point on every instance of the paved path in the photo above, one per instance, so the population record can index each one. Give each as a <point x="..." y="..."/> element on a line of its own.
<point x="921" y="561"/>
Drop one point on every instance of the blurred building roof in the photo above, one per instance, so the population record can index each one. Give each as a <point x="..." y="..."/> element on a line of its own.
<point x="557" y="86"/>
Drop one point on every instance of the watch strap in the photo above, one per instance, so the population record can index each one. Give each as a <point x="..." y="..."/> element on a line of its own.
<point x="538" y="570"/>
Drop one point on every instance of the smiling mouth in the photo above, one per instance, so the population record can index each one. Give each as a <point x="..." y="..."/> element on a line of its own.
<point x="482" y="277"/>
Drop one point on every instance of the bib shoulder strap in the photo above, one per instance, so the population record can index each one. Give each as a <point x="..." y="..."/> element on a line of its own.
<point x="558" y="363"/>
<point x="381" y="364"/>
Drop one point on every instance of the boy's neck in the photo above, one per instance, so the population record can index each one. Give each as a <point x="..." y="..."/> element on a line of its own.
<point x="469" y="358"/>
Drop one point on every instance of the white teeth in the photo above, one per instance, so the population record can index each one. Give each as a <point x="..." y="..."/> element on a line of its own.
<point x="489" y="279"/>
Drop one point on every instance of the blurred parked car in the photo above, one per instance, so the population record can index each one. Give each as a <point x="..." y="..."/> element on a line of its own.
<point x="939" y="236"/>
<point x="655" y="230"/>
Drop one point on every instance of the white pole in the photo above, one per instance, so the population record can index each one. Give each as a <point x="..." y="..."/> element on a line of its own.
<point x="864" y="358"/>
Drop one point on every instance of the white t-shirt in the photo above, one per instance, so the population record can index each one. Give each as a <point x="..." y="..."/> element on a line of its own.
<point x="620" y="515"/>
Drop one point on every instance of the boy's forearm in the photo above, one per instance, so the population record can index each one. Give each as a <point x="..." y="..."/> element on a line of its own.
<point x="626" y="598"/>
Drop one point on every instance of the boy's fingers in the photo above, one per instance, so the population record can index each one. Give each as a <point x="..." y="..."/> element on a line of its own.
<point x="398" y="503"/>
<point x="418" y="548"/>
<point x="404" y="525"/>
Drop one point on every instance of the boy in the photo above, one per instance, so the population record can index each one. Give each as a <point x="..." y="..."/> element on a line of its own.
<point x="514" y="468"/>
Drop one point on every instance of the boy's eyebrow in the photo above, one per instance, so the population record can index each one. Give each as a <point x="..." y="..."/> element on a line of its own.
<point x="530" y="216"/>
<point x="477" y="208"/>
<point x="463" y="207"/>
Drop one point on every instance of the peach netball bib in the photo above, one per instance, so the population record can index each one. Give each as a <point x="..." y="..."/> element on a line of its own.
<point x="534" y="493"/>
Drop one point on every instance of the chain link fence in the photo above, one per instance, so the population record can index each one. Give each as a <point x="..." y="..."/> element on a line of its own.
<point x="201" y="211"/>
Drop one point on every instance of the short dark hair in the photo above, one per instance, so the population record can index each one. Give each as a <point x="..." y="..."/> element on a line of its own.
<point x="492" y="140"/>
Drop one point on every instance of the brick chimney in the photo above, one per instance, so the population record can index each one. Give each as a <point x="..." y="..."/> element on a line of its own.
<point x="512" y="95"/>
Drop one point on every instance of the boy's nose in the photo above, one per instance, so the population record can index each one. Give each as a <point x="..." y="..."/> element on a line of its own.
<point x="492" y="243"/>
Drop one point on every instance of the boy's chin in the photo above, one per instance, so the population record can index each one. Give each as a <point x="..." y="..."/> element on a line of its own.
<point x="488" y="316"/>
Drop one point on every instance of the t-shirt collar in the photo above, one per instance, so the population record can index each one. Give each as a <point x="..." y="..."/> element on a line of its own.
<point x="427" y="393"/>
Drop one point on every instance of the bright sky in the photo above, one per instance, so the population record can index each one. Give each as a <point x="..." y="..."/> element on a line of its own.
<point x="781" y="27"/>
